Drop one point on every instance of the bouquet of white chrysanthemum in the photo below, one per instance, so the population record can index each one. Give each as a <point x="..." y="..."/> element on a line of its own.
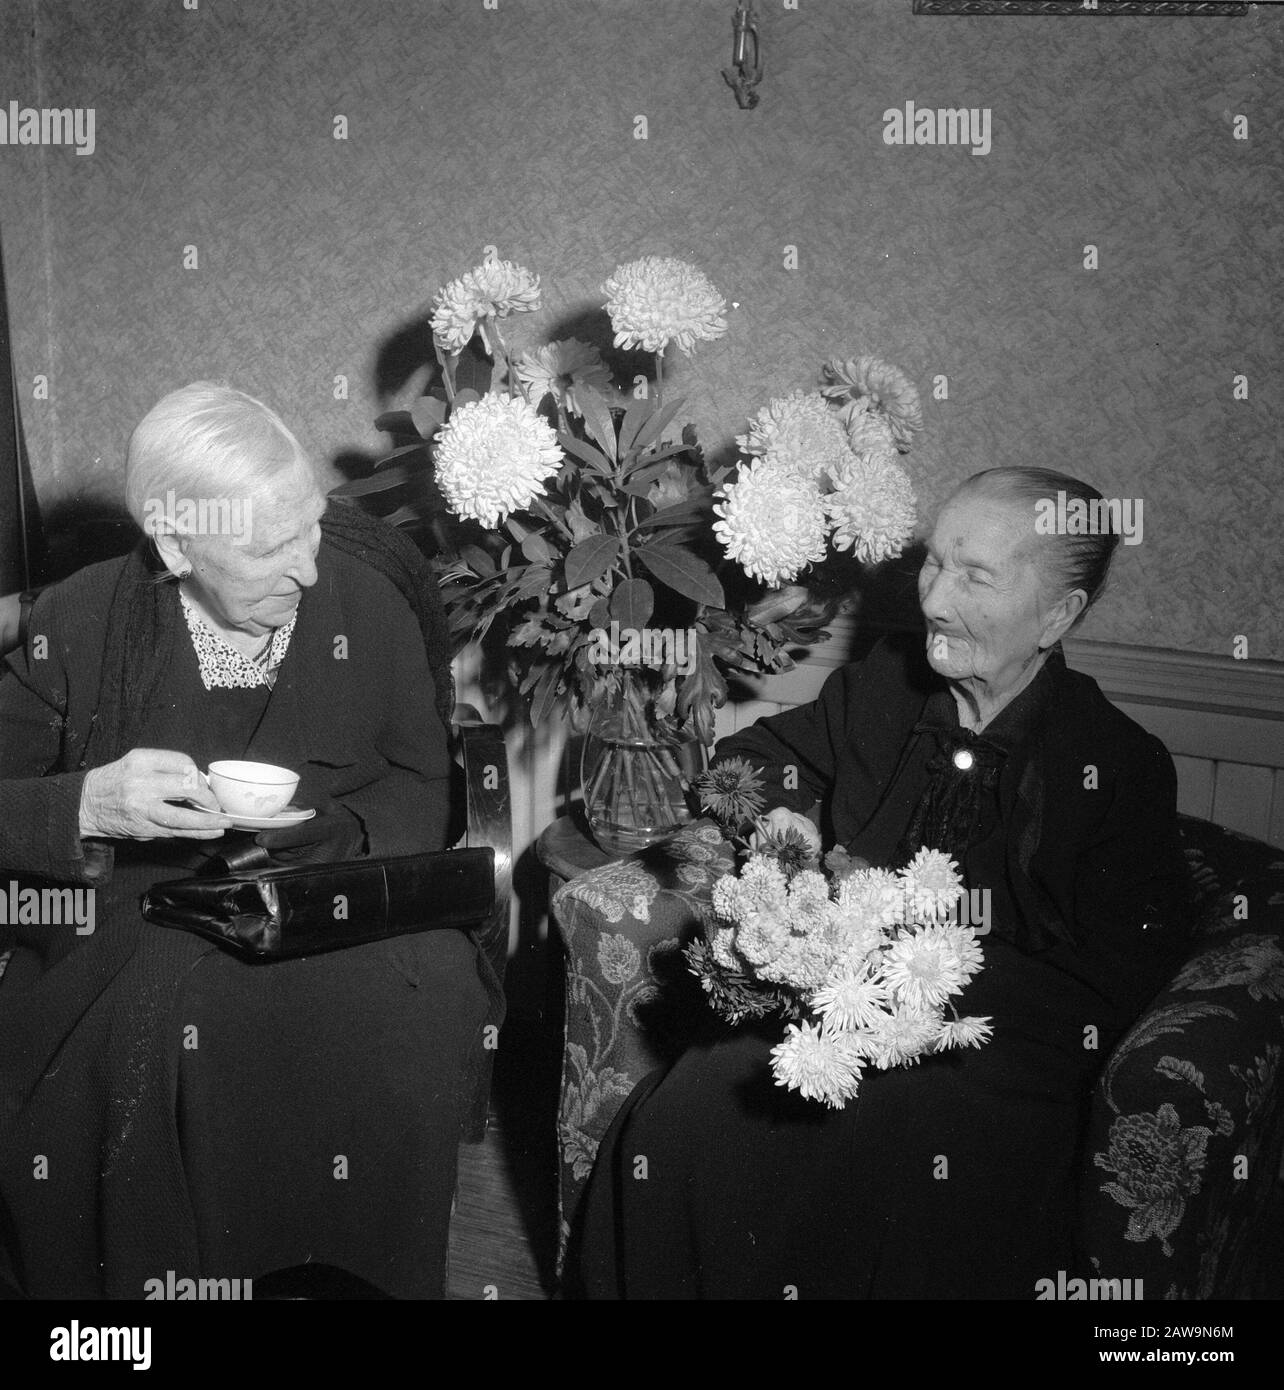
<point x="821" y="469"/>
<point x="567" y="507"/>
<point x="863" y="964"/>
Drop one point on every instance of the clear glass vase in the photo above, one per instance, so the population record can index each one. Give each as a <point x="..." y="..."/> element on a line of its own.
<point x="634" y="770"/>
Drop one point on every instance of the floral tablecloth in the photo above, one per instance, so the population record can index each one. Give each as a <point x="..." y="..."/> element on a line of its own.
<point x="631" y="1005"/>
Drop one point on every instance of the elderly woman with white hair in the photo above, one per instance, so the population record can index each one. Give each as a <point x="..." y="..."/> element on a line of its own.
<point x="957" y="1177"/>
<point x="165" y="1106"/>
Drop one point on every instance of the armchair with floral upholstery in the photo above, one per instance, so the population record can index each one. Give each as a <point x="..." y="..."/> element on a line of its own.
<point x="1186" y="1127"/>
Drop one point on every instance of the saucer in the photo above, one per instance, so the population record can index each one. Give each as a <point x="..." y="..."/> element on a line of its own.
<point x="292" y="815"/>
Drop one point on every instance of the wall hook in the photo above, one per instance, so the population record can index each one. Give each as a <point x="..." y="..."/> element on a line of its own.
<point x="745" y="71"/>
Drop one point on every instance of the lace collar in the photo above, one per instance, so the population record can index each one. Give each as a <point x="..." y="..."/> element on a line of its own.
<point x="223" y="667"/>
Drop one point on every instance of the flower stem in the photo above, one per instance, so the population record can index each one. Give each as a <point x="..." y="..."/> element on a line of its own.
<point x="447" y="376"/>
<point x="501" y="355"/>
<point x="539" y="504"/>
<point x="659" y="377"/>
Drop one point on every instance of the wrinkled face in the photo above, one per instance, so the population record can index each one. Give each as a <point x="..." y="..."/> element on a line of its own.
<point x="981" y="591"/>
<point x="254" y="585"/>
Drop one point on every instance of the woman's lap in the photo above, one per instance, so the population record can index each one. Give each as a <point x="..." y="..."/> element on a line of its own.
<point x="320" y="1103"/>
<point x="947" y="1179"/>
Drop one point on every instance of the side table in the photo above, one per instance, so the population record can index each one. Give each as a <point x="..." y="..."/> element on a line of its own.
<point x="566" y="849"/>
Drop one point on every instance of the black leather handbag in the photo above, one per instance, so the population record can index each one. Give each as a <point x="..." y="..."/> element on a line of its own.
<point x="280" y="913"/>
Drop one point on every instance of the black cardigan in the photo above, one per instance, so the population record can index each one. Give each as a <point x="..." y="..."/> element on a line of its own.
<point x="1087" y="804"/>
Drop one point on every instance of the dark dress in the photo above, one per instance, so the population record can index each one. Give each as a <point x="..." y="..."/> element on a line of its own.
<point x="956" y="1177"/>
<point x="198" y="1113"/>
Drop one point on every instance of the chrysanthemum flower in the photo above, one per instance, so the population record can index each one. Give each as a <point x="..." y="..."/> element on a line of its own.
<point x="763" y="884"/>
<point x="822" y="1066"/>
<point x="722" y="947"/>
<point x="658" y="300"/>
<point x="492" y="457"/>
<point x="868" y="430"/>
<point x="802" y="965"/>
<point x="871" y="507"/>
<point x="875" y="896"/>
<point x="964" y="1032"/>
<point x="770" y="522"/>
<point x="851" y="999"/>
<point x="923" y="968"/>
<point x="494" y="288"/>
<point x="731" y="791"/>
<point x="885" y="386"/>
<point x="932" y="884"/>
<point x="558" y="369"/>
<point x="762" y="937"/>
<point x="809" y="890"/>
<point x="799" y="433"/>
<point x="901" y="1037"/>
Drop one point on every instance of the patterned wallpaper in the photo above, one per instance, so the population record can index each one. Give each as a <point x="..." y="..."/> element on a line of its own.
<point x="512" y="122"/>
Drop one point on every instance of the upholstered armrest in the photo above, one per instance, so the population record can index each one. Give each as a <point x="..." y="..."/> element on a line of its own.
<point x="631" y="1004"/>
<point x="1187" y="1124"/>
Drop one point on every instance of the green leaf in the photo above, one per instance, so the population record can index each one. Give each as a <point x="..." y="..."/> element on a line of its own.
<point x="581" y="527"/>
<point x="653" y="427"/>
<point x="545" y="695"/>
<point x="697" y="504"/>
<point x="403" y="516"/>
<point x="675" y="533"/>
<point x="604" y="492"/>
<point x="591" y="559"/>
<point x="597" y="420"/>
<point x="537" y="550"/>
<point x="647" y="472"/>
<point x="600" y="613"/>
<point x="683" y="572"/>
<point x="535" y="582"/>
<point x="428" y="415"/>
<point x="632" y="604"/>
<point x="478" y="559"/>
<point x="638" y="413"/>
<point x="395" y="422"/>
<point x="516" y="529"/>
<point x="383" y="481"/>
<point x="404" y="454"/>
<point x="586" y="453"/>
<point x="667" y="451"/>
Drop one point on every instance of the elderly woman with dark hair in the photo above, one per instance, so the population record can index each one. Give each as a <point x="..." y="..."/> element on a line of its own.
<point x="164" y="1106"/>
<point x="955" y="1178"/>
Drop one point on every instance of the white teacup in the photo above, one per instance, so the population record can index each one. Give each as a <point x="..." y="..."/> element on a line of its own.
<point x="252" y="789"/>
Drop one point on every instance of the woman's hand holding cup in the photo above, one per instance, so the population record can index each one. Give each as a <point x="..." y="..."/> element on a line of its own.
<point x="132" y="799"/>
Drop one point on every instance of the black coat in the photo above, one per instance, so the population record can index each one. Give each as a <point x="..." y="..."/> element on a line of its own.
<point x="219" y="1160"/>
<point x="1089" y="850"/>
